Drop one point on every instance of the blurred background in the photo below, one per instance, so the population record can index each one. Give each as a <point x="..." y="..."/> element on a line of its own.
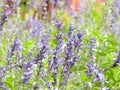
<point x="49" y="9"/>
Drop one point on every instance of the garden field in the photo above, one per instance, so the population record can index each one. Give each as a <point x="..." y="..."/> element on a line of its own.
<point x="59" y="45"/>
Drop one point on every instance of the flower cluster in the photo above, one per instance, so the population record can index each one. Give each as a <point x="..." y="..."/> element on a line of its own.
<point x="91" y="65"/>
<point x="71" y="53"/>
<point x="27" y="72"/>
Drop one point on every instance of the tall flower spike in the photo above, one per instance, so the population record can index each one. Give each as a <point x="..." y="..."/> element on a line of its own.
<point x="3" y="18"/>
<point x="27" y="72"/>
<point x="91" y="69"/>
<point x="15" y="46"/>
<point x="56" y="51"/>
<point x="78" y="42"/>
<point x="92" y="45"/>
<point x="1" y="72"/>
<point x="69" y="56"/>
<point x="90" y="65"/>
<point x="70" y="31"/>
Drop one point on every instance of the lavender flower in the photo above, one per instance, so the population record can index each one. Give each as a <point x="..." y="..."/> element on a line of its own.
<point x="34" y="33"/>
<point x="15" y="46"/>
<point x="27" y="72"/>
<point x="45" y="40"/>
<point x="78" y="40"/>
<point x="92" y="45"/>
<point x="79" y="35"/>
<point x="68" y="51"/>
<point x="104" y="88"/>
<point x="3" y="19"/>
<point x="1" y="71"/>
<point x="99" y="76"/>
<point x="117" y="60"/>
<point x="91" y="69"/>
<point x="90" y="65"/>
<point x="68" y="62"/>
<point x="56" y="52"/>
<point x="114" y="26"/>
<point x="2" y="86"/>
<point x="36" y="87"/>
<point x="71" y="28"/>
<point x="39" y="61"/>
<point x="58" y="25"/>
<point x="40" y="54"/>
<point x="116" y="3"/>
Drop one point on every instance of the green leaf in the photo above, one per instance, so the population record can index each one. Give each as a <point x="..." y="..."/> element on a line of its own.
<point x="9" y="85"/>
<point x="28" y="45"/>
<point x="74" y="68"/>
<point x="53" y="43"/>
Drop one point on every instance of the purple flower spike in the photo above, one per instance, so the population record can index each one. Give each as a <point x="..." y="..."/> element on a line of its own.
<point x="34" y="33"/>
<point x="99" y="76"/>
<point x="1" y="84"/>
<point x="15" y="46"/>
<point x="25" y="79"/>
<point x="27" y="72"/>
<point x="36" y="87"/>
<point x="91" y="69"/>
<point x="117" y="60"/>
<point x="79" y="35"/>
<point x="58" y="24"/>
<point x="92" y="45"/>
<point x="104" y="88"/>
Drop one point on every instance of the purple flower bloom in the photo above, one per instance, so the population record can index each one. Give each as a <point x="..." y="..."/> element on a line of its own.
<point x="34" y="33"/>
<point x="36" y="87"/>
<point x="99" y="76"/>
<point x="40" y="54"/>
<point x="116" y="3"/>
<point x="70" y="62"/>
<point x="30" y="63"/>
<point x="76" y="58"/>
<point x="91" y="69"/>
<point x="78" y="40"/>
<point x="25" y="79"/>
<point x="79" y="35"/>
<point x="45" y="40"/>
<point x="27" y="72"/>
<point x="104" y="88"/>
<point x="68" y="51"/>
<point x="58" y="24"/>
